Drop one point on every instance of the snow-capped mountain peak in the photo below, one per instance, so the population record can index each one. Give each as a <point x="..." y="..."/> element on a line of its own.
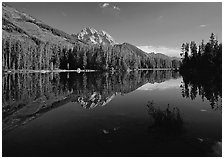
<point x="92" y="36"/>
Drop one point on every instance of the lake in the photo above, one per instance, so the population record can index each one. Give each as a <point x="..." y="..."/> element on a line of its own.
<point x="142" y="113"/>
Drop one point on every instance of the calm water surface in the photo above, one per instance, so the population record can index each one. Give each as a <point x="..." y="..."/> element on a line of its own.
<point x="147" y="113"/>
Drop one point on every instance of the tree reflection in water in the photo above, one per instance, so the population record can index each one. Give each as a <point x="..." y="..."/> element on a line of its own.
<point x="27" y="96"/>
<point x="207" y="86"/>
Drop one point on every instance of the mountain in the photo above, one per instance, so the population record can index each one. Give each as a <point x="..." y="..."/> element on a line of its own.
<point x="21" y="26"/>
<point x="156" y="60"/>
<point x="92" y="36"/>
<point x="30" y="44"/>
<point x="163" y="56"/>
<point x="152" y="54"/>
<point x="95" y="100"/>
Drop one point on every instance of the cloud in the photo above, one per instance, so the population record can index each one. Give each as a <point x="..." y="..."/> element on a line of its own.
<point x="117" y="8"/>
<point x="64" y="14"/>
<point x="109" y="9"/>
<point x="107" y="5"/>
<point x="104" y="5"/>
<point x="161" y="49"/>
<point x="160" y="19"/>
<point x="203" y="25"/>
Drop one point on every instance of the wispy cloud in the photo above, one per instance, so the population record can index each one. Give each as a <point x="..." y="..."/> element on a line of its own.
<point x="117" y="8"/>
<point x="64" y="14"/>
<point x="104" y="5"/>
<point x="160" y="17"/>
<point x="107" y="5"/>
<point x="110" y="9"/>
<point x="202" y="26"/>
<point x="161" y="49"/>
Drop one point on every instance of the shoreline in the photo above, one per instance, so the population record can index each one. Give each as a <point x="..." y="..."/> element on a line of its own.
<point x="157" y="69"/>
<point x="46" y="71"/>
<point x="79" y="71"/>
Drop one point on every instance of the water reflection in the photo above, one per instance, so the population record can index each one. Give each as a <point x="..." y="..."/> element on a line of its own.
<point x="116" y="119"/>
<point x="204" y="85"/>
<point x="27" y="96"/>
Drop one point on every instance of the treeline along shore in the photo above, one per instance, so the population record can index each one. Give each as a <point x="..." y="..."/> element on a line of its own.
<point x="25" y="55"/>
<point x="205" y="58"/>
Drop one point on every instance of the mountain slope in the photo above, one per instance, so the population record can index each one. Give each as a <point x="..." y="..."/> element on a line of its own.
<point x="131" y="48"/>
<point x="24" y="27"/>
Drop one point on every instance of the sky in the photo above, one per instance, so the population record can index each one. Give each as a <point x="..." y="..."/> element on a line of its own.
<point x="153" y="27"/>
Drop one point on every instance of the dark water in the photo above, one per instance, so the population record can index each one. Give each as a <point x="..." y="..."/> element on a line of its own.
<point x="147" y="113"/>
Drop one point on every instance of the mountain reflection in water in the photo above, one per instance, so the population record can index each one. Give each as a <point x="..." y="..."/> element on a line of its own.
<point x="27" y="96"/>
<point x="105" y="114"/>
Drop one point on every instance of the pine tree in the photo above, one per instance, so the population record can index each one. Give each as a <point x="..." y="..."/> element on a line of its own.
<point x="182" y="51"/>
<point x="84" y="60"/>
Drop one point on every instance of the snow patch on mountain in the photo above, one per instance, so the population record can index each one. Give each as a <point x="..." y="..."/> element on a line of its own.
<point x="92" y="36"/>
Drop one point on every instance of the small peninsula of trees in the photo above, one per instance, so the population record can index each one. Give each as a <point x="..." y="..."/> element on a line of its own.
<point x="28" y="55"/>
<point x="204" y="57"/>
